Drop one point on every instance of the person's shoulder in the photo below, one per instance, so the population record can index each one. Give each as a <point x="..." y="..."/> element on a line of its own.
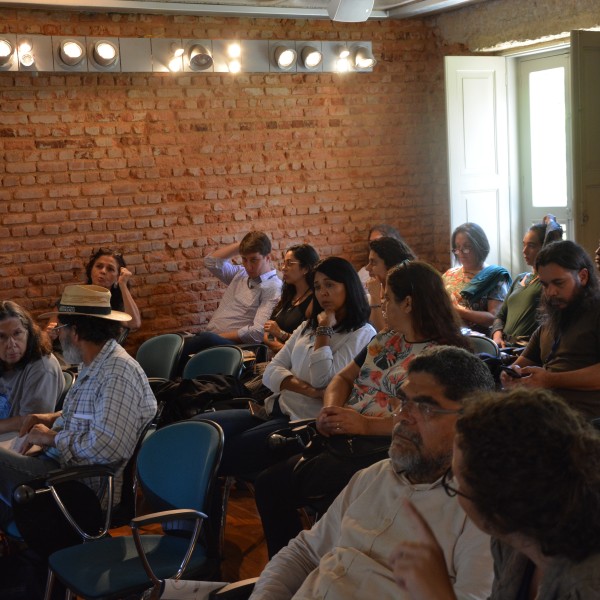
<point x="48" y="363"/>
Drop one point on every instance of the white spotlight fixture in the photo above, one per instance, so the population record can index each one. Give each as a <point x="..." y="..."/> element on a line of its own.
<point x="6" y="52"/>
<point x="363" y="58"/>
<point x="311" y="57"/>
<point x="200" y="58"/>
<point x="234" y="51"/>
<point x="71" y="52"/>
<point x="285" y="57"/>
<point x="176" y="61"/>
<point x="26" y="57"/>
<point x="105" y="53"/>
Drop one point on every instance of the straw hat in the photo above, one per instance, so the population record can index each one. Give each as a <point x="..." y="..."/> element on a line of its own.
<point x="88" y="301"/>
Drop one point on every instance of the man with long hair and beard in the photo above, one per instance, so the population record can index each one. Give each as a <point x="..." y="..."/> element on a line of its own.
<point x="564" y="353"/>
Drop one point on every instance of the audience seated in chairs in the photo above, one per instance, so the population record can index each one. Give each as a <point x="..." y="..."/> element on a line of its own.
<point x="385" y="252"/>
<point x="295" y="304"/>
<point x="346" y="554"/>
<point x="253" y="290"/>
<point x="517" y="318"/>
<point x="476" y="289"/>
<point x="104" y="412"/>
<point x="31" y="380"/>
<point x="419" y="315"/>
<point x="563" y="354"/>
<point x="299" y="372"/>
<point x="543" y="514"/>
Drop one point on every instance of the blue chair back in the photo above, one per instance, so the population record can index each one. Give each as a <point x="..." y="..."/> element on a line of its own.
<point x="225" y="360"/>
<point x="159" y="355"/>
<point x="176" y="465"/>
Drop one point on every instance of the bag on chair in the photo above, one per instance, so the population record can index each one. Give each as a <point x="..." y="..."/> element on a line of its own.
<point x="328" y="463"/>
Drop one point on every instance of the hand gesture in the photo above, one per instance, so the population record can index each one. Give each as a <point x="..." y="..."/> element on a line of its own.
<point x="326" y="318"/>
<point x="337" y="420"/>
<point x="124" y="276"/>
<point x="271" y="328"/>
<point x="418" y="565"/>
<point x="499" y="339"/>
<point x="29" y="421"/>
<point x="374" y="288"/>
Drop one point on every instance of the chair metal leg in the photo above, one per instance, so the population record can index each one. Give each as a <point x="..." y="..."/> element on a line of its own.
<point x="49" y="585"/>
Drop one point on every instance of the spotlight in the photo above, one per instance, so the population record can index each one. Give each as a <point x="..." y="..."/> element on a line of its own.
<point x="311" y="57"/>
<point x="285" y="57"/>
<point x="26" y="57"/>
<point x="176" y="62"/>
<point x="343" y="52"/>
<point x="200" y="58"/>
<point x="234" y="52"/>
<point x="363" y="58"/>
<point x="71" y="52"/>
<point x="6" y="52"/>
<point x="105" y="53"/>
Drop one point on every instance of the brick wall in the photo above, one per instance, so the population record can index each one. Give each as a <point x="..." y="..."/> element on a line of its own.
<point x="167" y="167"/>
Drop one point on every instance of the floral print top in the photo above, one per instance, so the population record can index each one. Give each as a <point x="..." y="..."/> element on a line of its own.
<point x="383" y="364"/>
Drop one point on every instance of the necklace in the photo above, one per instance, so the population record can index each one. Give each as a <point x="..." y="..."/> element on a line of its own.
<point x="299" y="299"/>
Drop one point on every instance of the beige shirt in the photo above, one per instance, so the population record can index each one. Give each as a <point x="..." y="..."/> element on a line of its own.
<point x="346" y="554"/>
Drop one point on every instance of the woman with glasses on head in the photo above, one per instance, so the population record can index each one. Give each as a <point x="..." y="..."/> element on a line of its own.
<point x="517" y="319"/>
<point x="296" y="300"/>
<point x="476" y="289"/>
<point x="384" y="253"/>
<point x="526" y="470"/>
<point x="31" y="380"/>
<point x="419" y="315"/>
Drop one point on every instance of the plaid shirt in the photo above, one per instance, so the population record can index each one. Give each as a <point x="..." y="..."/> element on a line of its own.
<point x="104" y="412"/>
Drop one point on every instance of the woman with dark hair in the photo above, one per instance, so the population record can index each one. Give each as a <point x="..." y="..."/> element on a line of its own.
<point x="476" y="289"/>
<point x="300" y="371"/>
<point x="295" y="304"/>
<point x="385" y="252"/>
<point x="107" y="268"/>
<point x="419" y="315"/>
<point x="526" y="470"/>
<point x="378" y="231"/>
<point x="517" y="318"/>
<point x="31" y="380"/>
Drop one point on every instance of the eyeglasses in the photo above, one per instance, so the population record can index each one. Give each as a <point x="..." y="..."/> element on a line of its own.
<point x="427" y="410"/>
<point x="286" y="264"/>
<point x="60" y="327"/>
<point x="450" y="489"/>
<point x="463" y="250"/>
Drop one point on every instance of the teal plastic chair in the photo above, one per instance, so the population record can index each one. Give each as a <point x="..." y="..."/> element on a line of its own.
<point x="159" y="355"/>
<point x="176" y="471"/>
<point x="224" y="360"/>
<point x="482" y="344"/>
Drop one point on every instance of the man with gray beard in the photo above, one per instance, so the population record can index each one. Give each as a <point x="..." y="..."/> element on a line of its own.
<point x="563" y="354"/>
<point x="104" y="412"/>
<point x="346" y="554"/>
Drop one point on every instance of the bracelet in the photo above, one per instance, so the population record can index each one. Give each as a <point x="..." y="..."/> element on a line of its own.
<point x="284" y="336"/>
<point x="374" y="305"/>
<point x="328" y="331"/>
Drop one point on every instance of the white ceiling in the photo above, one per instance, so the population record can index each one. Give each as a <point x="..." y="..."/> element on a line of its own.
<point x="285" y="9"/>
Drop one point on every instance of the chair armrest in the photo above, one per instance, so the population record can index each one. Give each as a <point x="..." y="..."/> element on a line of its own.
<point x="301" y="423"/>
<point x="71" y="473"/>
<point x="164" y="517"/>
<point x="240" y="590"/>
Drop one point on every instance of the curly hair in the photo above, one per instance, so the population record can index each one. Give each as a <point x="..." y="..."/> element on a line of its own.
<point x="476" y="235"/>
<point x="357" y="307"/>
<point x="116" y="296"/>
<point x="433" y="316"/>
<point x="391" y="251"/>
<point x="531" y="465"/>
<point x="38" y="343"/>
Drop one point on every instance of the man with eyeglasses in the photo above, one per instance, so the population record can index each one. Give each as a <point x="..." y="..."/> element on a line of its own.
<point x="346" y="554"/>
<point x="253" y="289"/>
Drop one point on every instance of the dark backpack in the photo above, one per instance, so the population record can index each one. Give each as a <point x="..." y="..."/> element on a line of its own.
<point x="185" y="398"/>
